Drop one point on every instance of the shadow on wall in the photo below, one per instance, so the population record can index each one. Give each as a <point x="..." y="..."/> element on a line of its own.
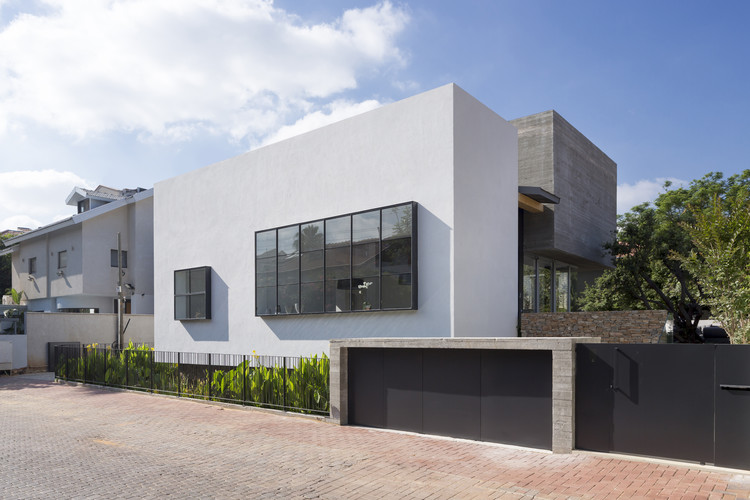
<point x="432" y="319"/>
<point x="215" y="329"/>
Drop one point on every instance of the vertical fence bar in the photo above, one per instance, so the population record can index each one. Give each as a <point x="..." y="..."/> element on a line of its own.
<point x="127" y="368"/>
<point x="151" y="353"/>
<point x="284" y="363"/>
<point x="179" y="379"/>
<point x="210" y="376"/>
<point x="106" y="357"/>
<point x="244" y="378"/>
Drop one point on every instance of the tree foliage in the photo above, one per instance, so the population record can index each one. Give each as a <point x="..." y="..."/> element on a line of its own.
<point x="720" y="260"/>
<point x="5" y="270"/>
<point x="649" y="271"/>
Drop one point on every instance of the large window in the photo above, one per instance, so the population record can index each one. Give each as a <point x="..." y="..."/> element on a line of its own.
<point x="192" y="294"/>
<point x="366" y="261"/>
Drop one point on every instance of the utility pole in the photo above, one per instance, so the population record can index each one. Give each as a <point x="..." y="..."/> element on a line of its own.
<point x="120" y="301"/>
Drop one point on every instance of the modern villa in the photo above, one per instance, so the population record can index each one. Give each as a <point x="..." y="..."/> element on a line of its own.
<point x="404" y="221"/>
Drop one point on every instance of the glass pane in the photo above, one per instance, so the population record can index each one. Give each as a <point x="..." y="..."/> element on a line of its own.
<point x="338" y="232"/>
<point x="545" y="285"/>
<point x="198" y="280"/>
<point x="397" y="291"/>
<point x="366" y="227"/>
<point x="529" y="284"/>
<point x="312" y="236"/>
<point x="365" y="260"/>
<point x="288" y="269"/>
<point x="265" y="272"/>
<point x="365" y="294"/>
<point x="198" y="306"/>
<point x="338" y="294"/>
<point x="312" y="297"/>
<point x="265" y="243"/>
<point x="575" y="290"/>
<point x="337" y="263"/>
<point x="562" y="287"/>
<point x="396" y="256"/>
<point x="289" y="240"/>
<point x="312" y="266"/>
<point x="397" y="222"/>
<point x="265" y="300"/>
<point x="180" y="282"/>
<point x="289" y="299"/>
<point x="181" y="307"/>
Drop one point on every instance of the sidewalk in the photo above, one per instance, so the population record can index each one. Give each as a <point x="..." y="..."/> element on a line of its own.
<point x="68" y="441"/>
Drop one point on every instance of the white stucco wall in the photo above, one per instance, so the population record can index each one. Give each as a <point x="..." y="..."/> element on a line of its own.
<point x="486" y="221"/>
<point x="42" y="328"/>
<point x="407" y="151"/>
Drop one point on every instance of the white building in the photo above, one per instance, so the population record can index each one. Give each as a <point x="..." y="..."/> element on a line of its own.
<point x="409" y="228"/>
<point x="71" y="265"/>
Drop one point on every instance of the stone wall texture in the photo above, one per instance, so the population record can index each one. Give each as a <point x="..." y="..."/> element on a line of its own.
<point x="613" y="327"/>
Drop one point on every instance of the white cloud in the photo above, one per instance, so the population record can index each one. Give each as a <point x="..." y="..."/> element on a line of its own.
<point x="336" y="111"/>
<point x="33" y="198"/>
<point x="630" y="195"/>
<point x="171" y="69"/>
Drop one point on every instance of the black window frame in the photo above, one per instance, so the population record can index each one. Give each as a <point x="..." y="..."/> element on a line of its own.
<point x="84" y="205"/>
<point x="191" y="294"/>
<point x="60" y="263"/>
<point x="113" y="258"/>
<point x="410" y="277"/>
<point x="32" y="266"/>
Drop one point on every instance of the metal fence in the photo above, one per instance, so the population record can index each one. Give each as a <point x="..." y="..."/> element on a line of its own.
<point x="286" y="383"/>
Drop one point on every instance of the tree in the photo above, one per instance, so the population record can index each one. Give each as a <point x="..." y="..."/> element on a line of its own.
<point x="649" y="272"/>
<point x="5" y="270"/>
<point x="720" y="260"/>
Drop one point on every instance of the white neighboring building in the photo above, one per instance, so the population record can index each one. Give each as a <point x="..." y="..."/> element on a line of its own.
<point x="456" y="159"/>
<point x="71" y="265"/>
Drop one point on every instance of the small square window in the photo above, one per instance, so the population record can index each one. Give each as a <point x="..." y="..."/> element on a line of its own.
<point x="62" y="259"/>
<point x="192" y="294"/>
<point x="113" y="258"/>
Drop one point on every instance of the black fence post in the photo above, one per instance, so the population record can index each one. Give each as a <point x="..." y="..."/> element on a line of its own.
<point x="244" y="378"/>
<point x="106" y="358"/>
<point x="151" y="353"/>
<point x="210" y="377"/>
<point x="127" y="367"/>
<point x="284" y="382"/>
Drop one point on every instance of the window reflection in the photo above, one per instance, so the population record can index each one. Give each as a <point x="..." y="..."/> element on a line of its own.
<point x="340" y="264"/>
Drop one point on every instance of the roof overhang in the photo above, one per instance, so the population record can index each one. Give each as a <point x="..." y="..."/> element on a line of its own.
<point x="538" y="194"/>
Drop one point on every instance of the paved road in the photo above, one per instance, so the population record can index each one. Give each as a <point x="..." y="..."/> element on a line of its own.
<point x="68" y="441"/>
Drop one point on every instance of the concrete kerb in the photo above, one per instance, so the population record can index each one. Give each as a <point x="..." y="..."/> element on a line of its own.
<point x="563" y="372"/>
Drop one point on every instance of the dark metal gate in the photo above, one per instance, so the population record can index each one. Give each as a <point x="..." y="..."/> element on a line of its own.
<point x="501" y="396"/>
<point x="687" y="402"/>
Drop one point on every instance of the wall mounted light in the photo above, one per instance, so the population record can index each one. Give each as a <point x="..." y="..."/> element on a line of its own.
<point x="60" y="273"/>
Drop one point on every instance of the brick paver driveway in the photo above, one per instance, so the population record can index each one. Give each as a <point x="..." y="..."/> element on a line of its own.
<point x="66" y="441"/>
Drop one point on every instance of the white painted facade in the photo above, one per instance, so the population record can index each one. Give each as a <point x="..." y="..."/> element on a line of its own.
<point x="88" y="281"/>
<point x="442" y="149"/>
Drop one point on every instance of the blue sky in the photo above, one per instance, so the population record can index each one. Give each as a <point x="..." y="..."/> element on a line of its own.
<point x="129" y="92"/>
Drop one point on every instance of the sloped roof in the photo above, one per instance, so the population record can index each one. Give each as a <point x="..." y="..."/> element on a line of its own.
<point x="102" y="193"/>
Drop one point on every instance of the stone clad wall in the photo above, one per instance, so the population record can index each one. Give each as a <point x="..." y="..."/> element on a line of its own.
<point x="615" y="327"/>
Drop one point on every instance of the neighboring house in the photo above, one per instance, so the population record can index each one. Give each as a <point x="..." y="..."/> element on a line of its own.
<point x="400" y="222"/>
<point x="71" y="265"/>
